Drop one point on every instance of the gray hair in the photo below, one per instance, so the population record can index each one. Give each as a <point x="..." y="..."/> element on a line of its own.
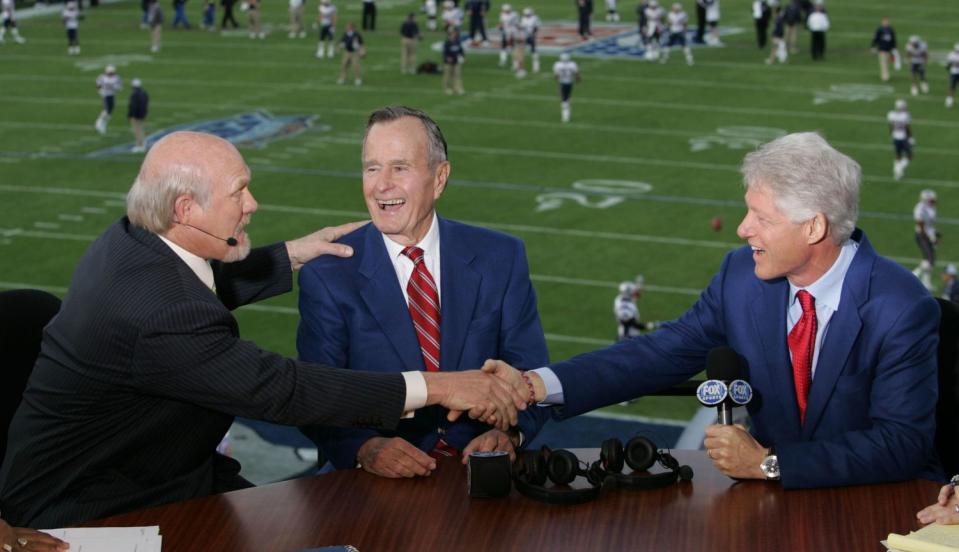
<point x="807" y="176"/>
<point x="436" y="144"/>
<point x="150" y="201"/>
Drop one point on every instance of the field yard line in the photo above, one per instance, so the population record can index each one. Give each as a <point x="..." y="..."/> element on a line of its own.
<point x="311" y="64"/>
<point x="698" y="107"/>
<point x="642" y="131"/>
<point x="889" y="7"/>
<point x="291" y="311"/>
<point x="541" y="154"/>
<point x="899" y="22"/>
<point x="519" y="228"/>
<point x="117" y="199"/>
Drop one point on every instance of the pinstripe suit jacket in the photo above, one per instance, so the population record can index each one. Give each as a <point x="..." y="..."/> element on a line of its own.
<point x="140" y="375"/>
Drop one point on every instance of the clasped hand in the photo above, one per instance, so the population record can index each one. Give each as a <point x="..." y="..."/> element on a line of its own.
<point x="483" y="396"/>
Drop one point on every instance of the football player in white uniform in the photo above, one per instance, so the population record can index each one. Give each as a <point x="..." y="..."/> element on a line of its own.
<point x="326" y="18"/>
<point x="918" y="53"/>
<point x="9" y="17"/>
<point x="611" y="13"/>
<point x="626" y="311"/>
<point x="924" y="214"/>
<point x="567" y="73"/>
<point x="452" y="16"/>
<point x="71" y="22"/>
<point x="902" y="140"/>
<point x="654" y="29"/>
<point x="108" y="84"/>
<point x="529" y="26"/>
<point x="952" y="65"/>
<point x="678" y="22"/>
<point x="429" y="7"/>
<point x="509" y="30"/>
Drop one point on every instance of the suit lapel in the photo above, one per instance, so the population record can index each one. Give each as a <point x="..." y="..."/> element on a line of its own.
<point x="460" y="287"/>
<point x="769" y="315"/>
<point x="844" y="328"/>
<point x="384" y="299"/>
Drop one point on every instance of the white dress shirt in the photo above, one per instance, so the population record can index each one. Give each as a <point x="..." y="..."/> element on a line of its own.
<point x="827" y="291"/>
<point x="403" y="265"/>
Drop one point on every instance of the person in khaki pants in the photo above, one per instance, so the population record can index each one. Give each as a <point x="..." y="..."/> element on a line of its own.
<point x="409" y="38"/>
<point x="453" y="58"/>
<point x="353" y="52"/>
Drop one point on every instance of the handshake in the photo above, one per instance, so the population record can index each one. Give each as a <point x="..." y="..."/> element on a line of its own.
<point x="494" y="394"/>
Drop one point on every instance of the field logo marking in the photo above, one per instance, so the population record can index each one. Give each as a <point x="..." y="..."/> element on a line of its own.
<point x="98" y="63"/>
<point x="255" y="129"/>
<point x="852" y="93"/>
<point x="736" y="138"/>
<point x="616" y="191"/>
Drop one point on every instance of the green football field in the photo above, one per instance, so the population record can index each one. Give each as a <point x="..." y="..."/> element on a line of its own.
<point x="628" y="187"/>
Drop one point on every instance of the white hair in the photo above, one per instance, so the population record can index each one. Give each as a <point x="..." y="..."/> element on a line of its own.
<point x="807" y="176"/>
<point x="150" y="201"/>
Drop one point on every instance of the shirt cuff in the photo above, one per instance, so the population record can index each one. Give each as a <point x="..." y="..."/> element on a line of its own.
<point x="415" y="393"/>
<point x="554" y="389"/>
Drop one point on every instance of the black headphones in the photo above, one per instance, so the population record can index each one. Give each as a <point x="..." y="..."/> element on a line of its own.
<point x="561" y="467"/>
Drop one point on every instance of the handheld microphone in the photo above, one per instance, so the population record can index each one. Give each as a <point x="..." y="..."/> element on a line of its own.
<point x="231" y="241"/>
<point x="725" y="386"/>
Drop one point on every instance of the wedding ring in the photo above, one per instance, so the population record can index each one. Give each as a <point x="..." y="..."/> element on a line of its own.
<point x="957" y="508"/>
<point x="710" y="456"/>
<point x="22" y="541"/>
<point x="7" y="548"/>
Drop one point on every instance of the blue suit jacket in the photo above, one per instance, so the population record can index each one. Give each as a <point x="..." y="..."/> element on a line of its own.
<point x="871" y="409"/>
<point x="353" y="315"/>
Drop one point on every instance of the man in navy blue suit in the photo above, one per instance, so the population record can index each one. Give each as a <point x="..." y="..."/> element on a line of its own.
<point x="365" y="313"/>
<point x="840" y="343"/>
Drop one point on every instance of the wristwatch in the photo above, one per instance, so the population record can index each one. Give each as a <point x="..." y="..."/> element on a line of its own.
<point x="770" y="465"/>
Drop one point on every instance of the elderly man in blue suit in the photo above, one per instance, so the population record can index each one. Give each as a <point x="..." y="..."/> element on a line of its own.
<point x="840" y="343"/>
<point x="420" y="293"/>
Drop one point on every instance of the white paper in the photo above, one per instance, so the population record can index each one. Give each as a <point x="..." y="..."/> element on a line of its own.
<point x="110" y="539"/>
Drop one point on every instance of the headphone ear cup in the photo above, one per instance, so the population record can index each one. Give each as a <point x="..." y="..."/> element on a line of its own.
<point x="531" y="467"/>
<point x="611" y="455"/>
<point x="640" y="453"/>
<point x="562" y="467"/>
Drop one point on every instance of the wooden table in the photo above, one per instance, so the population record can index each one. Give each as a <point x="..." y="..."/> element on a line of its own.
<point x="711" y="512"/>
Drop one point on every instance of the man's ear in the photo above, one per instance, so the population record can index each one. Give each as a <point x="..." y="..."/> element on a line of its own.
<point x="440" y="178"/>
<point x="182" y="207"/>
<point x="817" y="229"/>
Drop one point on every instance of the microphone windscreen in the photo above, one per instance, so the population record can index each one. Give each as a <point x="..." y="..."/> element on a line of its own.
<point x="723" y="363"/>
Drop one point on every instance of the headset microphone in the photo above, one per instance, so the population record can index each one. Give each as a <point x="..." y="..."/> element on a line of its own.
<point x="231" y="241"/>
<point x="726" y="386"/>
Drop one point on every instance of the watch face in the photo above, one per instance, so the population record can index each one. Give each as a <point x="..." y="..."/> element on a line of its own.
<point x="770" y="467"/>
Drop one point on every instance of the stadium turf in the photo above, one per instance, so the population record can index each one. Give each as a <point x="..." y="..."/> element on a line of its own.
<point x="629" y="186"/>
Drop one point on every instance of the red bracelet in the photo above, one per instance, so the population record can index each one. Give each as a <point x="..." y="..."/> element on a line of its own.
<point x="532" y="393"/>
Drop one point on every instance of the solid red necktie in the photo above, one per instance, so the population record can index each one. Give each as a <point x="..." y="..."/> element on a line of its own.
<point x="424" y="309"/>
<point x="802" y="344"/>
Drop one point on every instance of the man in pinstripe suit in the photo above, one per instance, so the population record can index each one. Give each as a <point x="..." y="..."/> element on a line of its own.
<point x="142" y="371"/>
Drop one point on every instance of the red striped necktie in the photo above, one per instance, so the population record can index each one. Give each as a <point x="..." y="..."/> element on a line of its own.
<point x="802" y="344"/>
<point x="424" y="309"/>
